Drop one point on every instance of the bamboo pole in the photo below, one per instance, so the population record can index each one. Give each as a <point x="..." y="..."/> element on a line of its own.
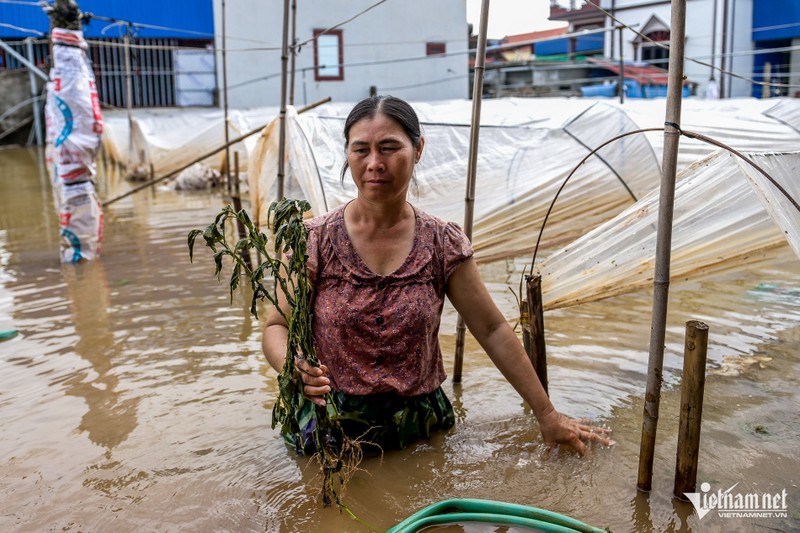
<point x="206" y="156"/>
<point x="723" y="50"/>
<point x="692" y="387"/>
<point x="237" y="205"/>
<point x="282" y="125"/>
<point x="663" y="245"/>
<point x="228" y="183"/>
<point x="128" y="90"/>
<point x="621" y="67"/>
<point x="469" y="200"/>
<point x="765" y="89"/>
<point x="294" y="52"/>
<point x="537" y="349"/>
<point x="22" y="59"/>
<point x="236" y="188"/>
<point x="37" y="121"/>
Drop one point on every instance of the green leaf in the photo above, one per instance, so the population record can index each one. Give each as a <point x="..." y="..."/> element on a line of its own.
<point x="192" y="236"/>
<point x="218" y="262"/>
<point x="237" y="272"/>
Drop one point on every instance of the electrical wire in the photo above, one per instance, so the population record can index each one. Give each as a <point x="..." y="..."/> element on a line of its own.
<point x="777" y="27"/>
<point x="432" y="82"/>
<point x="19" y="28"/>
<point x="413" y="58"/>
<point x="686" y="133"/>
<point x="298" y="45"/>
<point x="351" y="65"/>
<point x="323" y="32"/>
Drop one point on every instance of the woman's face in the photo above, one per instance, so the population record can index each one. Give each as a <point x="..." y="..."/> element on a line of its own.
<point x="381" y="158"/>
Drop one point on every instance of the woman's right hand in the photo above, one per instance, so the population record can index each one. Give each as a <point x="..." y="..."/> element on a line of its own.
<point x="559" y="429"/>
<point x="315" y="384"/>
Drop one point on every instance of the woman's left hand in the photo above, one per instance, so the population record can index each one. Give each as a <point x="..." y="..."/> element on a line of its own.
<point x="559" y="429"/>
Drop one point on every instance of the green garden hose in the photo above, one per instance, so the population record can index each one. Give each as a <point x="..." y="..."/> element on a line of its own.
<point x="7" y="334"/>
<point x="491" y="512"/>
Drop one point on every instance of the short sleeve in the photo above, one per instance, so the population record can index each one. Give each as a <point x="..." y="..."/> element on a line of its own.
<point x="457" y="248"/>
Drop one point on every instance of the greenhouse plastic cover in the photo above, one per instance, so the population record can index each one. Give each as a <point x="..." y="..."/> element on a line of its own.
<point x="726" y="214"/>
<point x="513" y="196"/>
<point x="168" y="139"/>
<point x="527" y="148"/>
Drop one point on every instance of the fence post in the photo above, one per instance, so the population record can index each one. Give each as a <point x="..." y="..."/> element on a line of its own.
<point x="535" y="345"/>
<point x="37" y="121"/>
<point x="692" y="386"/>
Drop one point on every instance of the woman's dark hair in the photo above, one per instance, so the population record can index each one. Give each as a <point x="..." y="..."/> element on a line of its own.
<point x="392" y="107"/>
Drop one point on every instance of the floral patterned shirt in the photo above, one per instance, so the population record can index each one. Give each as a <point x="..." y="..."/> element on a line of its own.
<point x="380" y="333"/>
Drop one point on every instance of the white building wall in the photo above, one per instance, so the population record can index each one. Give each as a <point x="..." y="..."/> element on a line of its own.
<point x="740" y="47"/>
<point x="794" y="69"/>
<point x="384" y="47"/>
<point x="702" y="37"/>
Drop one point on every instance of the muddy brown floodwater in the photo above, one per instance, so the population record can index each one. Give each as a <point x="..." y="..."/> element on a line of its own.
<point x="136" y="398"/>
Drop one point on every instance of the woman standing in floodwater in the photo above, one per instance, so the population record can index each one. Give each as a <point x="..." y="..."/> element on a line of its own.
<point x="381" y="269"/>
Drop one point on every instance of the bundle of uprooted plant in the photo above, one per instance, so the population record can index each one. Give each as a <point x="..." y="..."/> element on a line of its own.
<point x="284" y="269"/>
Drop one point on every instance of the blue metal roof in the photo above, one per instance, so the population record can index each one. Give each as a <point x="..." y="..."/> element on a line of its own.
<point x="776" y="19"/>
<point x="186" y="19"/>
<point x="583" y="44"/>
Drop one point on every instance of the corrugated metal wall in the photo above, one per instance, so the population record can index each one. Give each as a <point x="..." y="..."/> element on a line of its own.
<point x="152" y="79"/>
<point x="775" y="24"/>
<point x="775" y="19"/>
<point x="179" y="25"/>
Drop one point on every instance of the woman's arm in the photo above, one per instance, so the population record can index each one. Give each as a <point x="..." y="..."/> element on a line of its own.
<point x="274" y="342"/>
<point x="472" y="300"/>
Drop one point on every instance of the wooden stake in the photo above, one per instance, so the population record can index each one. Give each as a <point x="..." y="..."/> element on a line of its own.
<point x="621" y="67"/>
<point x="661" y="276"/>
<point x="692" y="386"/>
<point x="469" y="200"/>
<point x="236" y="188"/>
<point x="37" y="121"/>
<point x="536" y="346"/>
<point x="292" y="68"/>
<point x="128" y="90"/>
<point x="282" y="124"/>
<point x="227" y="171"/>
<point x="237" y="205"/>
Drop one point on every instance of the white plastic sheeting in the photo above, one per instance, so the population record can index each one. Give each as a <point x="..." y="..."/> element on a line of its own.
<point x="519" y="170"/>
<point x="527" y="149"/>
<point x="116" y="136"/>
<point x="786" y="111"/>
<point x="746" y="124"/>
<point x="720" y="222"/>
<point x="168" y="139"/>
<point x="780" y="199"/>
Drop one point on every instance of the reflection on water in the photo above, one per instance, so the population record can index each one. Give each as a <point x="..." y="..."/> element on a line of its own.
<point x="136" y="394"/>
<point x="109" y="418"/>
